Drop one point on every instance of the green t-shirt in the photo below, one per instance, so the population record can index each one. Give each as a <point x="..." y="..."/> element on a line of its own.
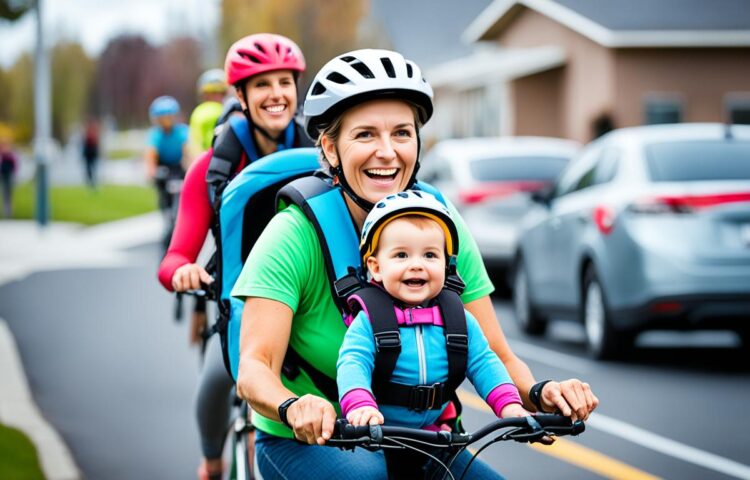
<point x="286" y="264"/>
<point x="202" y="124"/>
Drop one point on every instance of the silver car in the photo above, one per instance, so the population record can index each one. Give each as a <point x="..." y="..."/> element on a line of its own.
<point x="490" y="180"/>
<point x="648" y="228"/>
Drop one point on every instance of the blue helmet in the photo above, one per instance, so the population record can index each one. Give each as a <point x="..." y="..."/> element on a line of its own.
<point x="164" y="105"/>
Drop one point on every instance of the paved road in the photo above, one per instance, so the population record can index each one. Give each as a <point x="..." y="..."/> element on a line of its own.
<point x="113" y="373"/>
<point x="109" y="368"/>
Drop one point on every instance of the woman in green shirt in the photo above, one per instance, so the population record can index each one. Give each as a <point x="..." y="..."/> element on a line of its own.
<point x="365" y="109"/>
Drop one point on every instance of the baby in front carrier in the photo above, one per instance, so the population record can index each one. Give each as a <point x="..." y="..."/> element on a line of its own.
<point x="410" y="342"/>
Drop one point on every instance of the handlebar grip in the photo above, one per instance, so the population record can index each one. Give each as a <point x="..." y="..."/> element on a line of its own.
<point x="345" y="431"/>
<point x="559" y="424"/>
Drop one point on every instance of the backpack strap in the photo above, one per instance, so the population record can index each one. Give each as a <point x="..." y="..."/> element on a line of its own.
<point x="324" y="206"/>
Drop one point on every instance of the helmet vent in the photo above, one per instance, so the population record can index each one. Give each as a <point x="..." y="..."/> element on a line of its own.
<point x="348" y="59"/>
<point x="388" y="65"/>
<point x="337" y="77"/>
<point x="409" y="70"/>
<point x="260" y="47"/>
<point x="318" y="88"/>
<point x="363" y="70"/>
<point x="252" y="58"/>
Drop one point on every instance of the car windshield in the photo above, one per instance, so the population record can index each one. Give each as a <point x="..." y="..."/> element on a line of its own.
<point x="502" y="169"/>
<point x="699" y="160"/>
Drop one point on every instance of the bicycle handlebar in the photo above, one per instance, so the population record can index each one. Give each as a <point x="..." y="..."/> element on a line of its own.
<point x="524" y="429"/>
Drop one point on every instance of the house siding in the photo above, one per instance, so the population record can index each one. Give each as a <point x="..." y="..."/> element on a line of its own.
<point x="587" y="84"/>
<point x="700" y="78"/>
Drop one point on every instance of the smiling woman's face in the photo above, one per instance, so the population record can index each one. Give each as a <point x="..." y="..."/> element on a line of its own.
<point x="376" y="146"/>
<point x="271" y="99"/>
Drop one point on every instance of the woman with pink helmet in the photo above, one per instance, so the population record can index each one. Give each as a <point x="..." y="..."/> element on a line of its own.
<point x="264" y="69"/>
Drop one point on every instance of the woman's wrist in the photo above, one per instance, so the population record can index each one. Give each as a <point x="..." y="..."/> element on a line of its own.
<point x="283" y="408"/>
<point x="535" y="394"/>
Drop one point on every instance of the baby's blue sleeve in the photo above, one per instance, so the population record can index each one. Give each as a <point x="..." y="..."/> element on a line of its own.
<point x="484" y="369"/>
<point x="356" y="357"/>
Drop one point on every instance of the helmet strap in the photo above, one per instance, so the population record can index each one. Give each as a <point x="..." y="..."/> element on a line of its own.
<point x="338" y="174"/>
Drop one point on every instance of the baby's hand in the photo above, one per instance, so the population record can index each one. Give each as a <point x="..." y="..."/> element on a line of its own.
<point x="360" y="417"/>
<point x="514" y="410"/>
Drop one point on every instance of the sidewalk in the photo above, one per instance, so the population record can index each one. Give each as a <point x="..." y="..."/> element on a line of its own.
<point x="26" y="248"/>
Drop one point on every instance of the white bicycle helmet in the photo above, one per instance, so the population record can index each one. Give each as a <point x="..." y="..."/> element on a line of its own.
<point x="361" y="75"/>
<point x="212" y="81"/>
<point x="409" y="202"/>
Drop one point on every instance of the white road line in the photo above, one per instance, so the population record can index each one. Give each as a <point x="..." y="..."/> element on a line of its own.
<point x="625" y="430"/>
<point x="550" y="357"/>
<point x="668" y="447"/>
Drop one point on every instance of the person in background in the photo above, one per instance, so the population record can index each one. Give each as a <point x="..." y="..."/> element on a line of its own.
<point x="212" y="87"/>
<point x="8" y="167"/>
<point x="264" y="70"/>
<point x="91" y="150"/>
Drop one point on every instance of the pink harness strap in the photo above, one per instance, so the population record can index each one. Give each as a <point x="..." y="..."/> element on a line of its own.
<point x="419" y="316"/>
<point x="406" y="316"/>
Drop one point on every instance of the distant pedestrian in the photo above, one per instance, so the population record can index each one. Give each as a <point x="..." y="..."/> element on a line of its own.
<point x="91" y="151"/>
<point x="8" y="167"/>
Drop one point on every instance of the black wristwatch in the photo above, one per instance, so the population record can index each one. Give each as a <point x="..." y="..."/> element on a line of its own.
<point x="284" y="407"/>
<point x="535" y="394"/>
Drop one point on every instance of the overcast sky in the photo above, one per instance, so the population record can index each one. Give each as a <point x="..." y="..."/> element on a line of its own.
<point x="94" y="22"/>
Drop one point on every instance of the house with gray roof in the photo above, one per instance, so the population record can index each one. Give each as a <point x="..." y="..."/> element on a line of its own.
<point x="576" y="68"/>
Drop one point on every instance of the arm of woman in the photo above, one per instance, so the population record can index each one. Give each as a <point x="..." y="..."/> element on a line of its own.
<point x="572" y="397"/>
<point x="178" y="270"/>
<point x="263" y="345"/>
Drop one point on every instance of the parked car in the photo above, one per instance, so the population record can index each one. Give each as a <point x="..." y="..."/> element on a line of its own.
<point x="648" y="228"/>
<point x="490" y="180"/>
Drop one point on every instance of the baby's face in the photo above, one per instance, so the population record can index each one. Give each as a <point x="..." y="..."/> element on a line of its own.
<point x="410" y="260"/>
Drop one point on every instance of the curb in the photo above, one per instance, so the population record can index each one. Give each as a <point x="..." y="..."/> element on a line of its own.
<point x="58" y="246"/>
<point x="18" y="410"/>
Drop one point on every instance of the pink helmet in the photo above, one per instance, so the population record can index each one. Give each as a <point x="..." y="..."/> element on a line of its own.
<point x="261" y="53"/>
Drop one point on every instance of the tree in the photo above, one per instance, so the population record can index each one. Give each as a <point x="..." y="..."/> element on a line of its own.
<point x="21" y="97"/>
<point x="13" y="9"/>
<point x="131" y="73"/>
<point x="322" y="28"/>
<point x="72" y="73"/>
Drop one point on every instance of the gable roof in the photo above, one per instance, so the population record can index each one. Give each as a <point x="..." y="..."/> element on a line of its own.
<point x="427" y="31"/>
<point x="632" y="23"/>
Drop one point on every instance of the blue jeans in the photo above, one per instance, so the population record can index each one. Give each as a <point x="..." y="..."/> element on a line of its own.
<point x="284" y="459"/>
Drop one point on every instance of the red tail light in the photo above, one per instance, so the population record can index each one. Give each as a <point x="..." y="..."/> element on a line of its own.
<point x="686" y="203"/>
<point x="485" y="191"/>
<point x="604" y="218"/>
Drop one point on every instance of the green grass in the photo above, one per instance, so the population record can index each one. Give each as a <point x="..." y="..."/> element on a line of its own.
<point x="79" y="204"/>
<point x="122" y="154"/>
<point x="18" y="459"/>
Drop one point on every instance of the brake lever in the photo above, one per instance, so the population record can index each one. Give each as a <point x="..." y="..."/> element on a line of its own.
<point x="523" y="435"/>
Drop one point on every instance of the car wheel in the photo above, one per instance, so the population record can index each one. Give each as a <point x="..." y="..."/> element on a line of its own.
<point x="530" y="321"/>
<point x="603" y="340"/>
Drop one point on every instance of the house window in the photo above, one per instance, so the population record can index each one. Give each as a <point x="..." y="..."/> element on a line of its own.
<point x="662" y="110"/>
<point x="737" y="107"/>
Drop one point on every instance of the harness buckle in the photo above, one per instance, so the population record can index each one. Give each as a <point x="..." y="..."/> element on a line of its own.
<point x="347" y="285"/>
<point x="454" y="282"/>
<point x="457" y="342"/>
<point x="388" y="340"/>
<point x="426" y="397"/>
